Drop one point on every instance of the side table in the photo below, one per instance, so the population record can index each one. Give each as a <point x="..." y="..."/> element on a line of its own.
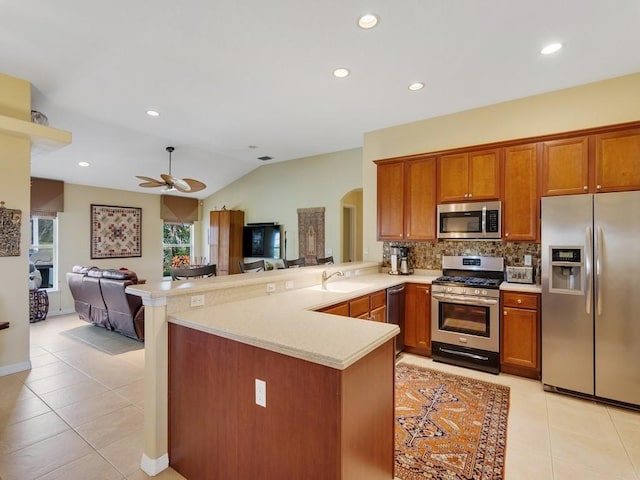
<point x="38" y="305"/>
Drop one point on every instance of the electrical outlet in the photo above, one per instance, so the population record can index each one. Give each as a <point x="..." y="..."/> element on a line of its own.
<point x="288" y="285"/>
<point x="271" y="287"/>
<point x="527" y="260"/>
<point x="348" y="273"/>
<point x="197" y="300"/>
<point x="261" y="393"/>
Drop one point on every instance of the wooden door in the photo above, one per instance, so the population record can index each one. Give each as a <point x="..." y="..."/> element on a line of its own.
<point x="565" y="166"/>
<point x="617" y="161"/>
<point x="453" y="178"/>
<point x="234" y="250"/>
<point x="484" y="175"/>
<point x="420" y="199"/>
<point x="417" y="318"/>
<point x="391" y="201"/>
<point x="520" y="209"/>
<point x="224" y="228"/>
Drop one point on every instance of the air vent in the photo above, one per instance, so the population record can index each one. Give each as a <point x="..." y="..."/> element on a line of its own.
<point x="265" y="158"/>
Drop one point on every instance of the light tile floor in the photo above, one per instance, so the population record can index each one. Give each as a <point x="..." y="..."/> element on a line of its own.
<point x="78" y="415"/>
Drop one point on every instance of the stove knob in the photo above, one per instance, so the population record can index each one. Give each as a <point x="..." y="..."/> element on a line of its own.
<point x="449" y="289"/>
<point x="484" y="292"/>
<point x="476" y="292"/>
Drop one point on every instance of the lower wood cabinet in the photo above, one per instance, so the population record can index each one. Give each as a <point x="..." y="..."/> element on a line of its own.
<point x="417" y="319"/>
<point x="520" y="334"/>
<point x="367" y="307"/>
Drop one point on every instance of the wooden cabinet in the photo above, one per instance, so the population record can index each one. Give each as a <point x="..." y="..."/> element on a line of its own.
<point x="617" y="161"/>
<point x="391" y="200"/>
<point x="521" y="202"/>
<point x="469" y="176"/>
<point x="520" y="334"/>
<point x="225" y="240"/>
<point x="420" y="199"/>
<point x="338" y="422"/>
<point x="565" y="166"/>
<point x="417" y="318"/>
<point x="367" y="307"/>
<point x="407" y="199"/>
<point x="607" y="162"/>
<point x="378" y="306"/>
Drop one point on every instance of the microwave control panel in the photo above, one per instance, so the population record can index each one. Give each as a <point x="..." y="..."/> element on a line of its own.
<point x="492" y="221"/>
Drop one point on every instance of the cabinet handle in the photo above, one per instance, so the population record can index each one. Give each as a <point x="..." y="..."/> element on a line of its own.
<point x="598" y="187"/>
<point x="519" y="300"/>
<point x="504" y="313"/>
<point x="506" y="234"/>
<point x="585" y="188"/>
<point x="470" y="195"/>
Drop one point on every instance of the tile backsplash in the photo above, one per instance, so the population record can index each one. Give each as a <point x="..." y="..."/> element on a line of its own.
<point x="428" y="255"/>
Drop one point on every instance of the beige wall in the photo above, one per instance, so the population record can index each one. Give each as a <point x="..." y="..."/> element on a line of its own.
<point x="603" y="103"/>
<point x="273" y="193"/>
<point x="353" y="199"/>
<point x="74" y="234"/>
<point x="15" y="158"/>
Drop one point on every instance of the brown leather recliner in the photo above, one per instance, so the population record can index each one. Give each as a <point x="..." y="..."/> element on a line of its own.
<point x="100" y="298"/>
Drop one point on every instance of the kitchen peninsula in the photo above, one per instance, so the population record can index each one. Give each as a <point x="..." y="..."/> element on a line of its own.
<point x="329" y="379"/>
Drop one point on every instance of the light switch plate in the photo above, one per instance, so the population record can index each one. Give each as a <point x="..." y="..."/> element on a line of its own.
<point x="527" y="260"/>
<point x="197" y="300"/>
<point x="261" y="393"/>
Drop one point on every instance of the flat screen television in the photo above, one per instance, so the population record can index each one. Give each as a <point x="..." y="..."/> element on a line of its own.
<point x="261" y="240"/>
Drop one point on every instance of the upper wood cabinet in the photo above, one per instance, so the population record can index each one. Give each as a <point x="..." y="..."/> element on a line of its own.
<point x="617" y="161"/>
<point x="521" y="205"/>
<point x="391" y="201"/>
<point x="469" y="176"/>
<point x="565" y="166"/>
<point x="407" y="199"/>
<point x="420" y="199"/>
<point x="607" y="162"/>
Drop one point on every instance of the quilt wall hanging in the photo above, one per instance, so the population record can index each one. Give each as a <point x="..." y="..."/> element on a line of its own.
<point x="311" y="234"/>
<point x="10" y="220"/>
<point x="116" y="232"/>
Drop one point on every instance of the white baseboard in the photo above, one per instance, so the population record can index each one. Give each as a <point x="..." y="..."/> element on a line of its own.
<point x="15" y="368"/>
<point x="153" y="466"/>
<point x="64" y="311"/>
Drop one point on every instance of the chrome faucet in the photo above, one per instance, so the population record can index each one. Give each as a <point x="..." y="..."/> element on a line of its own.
<point x="325" y="277"/>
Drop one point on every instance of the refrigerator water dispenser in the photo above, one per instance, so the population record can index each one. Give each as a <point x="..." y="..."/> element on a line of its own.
<point x="567" y="270"/>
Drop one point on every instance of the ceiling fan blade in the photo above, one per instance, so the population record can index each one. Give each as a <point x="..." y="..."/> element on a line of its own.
<point x="195" y="185"/>
<point x="150" y="182"/>
<point x="176" y="182"/>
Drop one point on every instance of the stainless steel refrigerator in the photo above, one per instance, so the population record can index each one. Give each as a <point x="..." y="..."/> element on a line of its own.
<point x="591" y="295"/>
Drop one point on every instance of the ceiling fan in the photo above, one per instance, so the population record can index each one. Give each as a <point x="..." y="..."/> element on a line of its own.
<point x="185" y="185"/>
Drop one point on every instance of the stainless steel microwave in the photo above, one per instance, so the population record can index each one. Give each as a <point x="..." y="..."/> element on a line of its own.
<point x="467" y="221"/>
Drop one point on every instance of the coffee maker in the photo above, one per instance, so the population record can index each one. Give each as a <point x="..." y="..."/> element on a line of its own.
<point x="400" y="264"/>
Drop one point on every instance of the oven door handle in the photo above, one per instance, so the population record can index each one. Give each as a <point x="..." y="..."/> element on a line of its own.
<point x="465" y="300"/>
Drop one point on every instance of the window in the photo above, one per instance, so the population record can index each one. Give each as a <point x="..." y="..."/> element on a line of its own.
<point x="43" y="252"/>
<point x="177" y="240"/>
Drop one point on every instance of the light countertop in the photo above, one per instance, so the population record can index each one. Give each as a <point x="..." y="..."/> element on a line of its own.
<point x="287" y="323"/>
<point x="521" y="287"/>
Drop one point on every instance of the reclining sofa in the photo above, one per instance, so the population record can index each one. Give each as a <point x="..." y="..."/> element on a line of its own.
<point x="100" y="299"/>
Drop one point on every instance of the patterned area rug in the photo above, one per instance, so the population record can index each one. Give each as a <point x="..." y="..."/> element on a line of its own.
<point x="449" y="427"/>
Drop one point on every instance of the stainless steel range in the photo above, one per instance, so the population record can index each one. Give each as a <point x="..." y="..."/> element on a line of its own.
<point x="465" y="316"/>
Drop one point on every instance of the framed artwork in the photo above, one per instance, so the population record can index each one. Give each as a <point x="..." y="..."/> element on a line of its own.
<point x="10" y="220"/>
<point x="116" y="232"/>
<point x="311" y="234"/>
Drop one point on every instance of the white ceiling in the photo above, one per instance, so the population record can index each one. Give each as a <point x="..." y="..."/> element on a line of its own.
<point x="226" y="74"/>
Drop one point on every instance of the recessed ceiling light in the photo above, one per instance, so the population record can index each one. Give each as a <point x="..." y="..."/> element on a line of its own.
<point x="341" y="72"/>
<point x="83" y="164"/>
<point x="551" y="48"/>
<point x="368" y="20"/>
<point x="416" y="86"/>
<point x="153" y="113"/>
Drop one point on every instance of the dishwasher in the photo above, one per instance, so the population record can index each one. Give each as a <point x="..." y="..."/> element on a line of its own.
<point x="395" y="312"/>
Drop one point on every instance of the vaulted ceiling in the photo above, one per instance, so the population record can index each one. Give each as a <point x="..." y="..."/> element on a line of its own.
<point x="237" y="80"/>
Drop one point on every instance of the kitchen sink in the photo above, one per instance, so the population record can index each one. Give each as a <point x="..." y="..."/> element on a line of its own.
<point x="341" y="287"/>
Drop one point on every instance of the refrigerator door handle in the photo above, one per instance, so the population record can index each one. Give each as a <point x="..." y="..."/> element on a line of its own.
<point x="599" y="272"/>
<point x="588" y="259"/>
